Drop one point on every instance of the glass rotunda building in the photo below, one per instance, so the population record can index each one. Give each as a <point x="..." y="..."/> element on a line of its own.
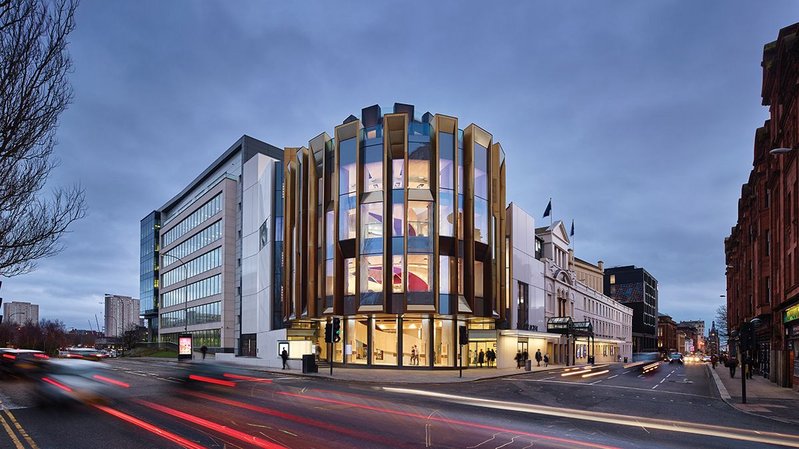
<point x="395" y="225"/>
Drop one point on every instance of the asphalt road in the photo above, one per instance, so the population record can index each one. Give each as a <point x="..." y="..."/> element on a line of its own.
<point x="673" y="407"/>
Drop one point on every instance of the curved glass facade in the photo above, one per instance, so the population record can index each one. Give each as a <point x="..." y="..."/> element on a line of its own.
<point x="393" y="225"/>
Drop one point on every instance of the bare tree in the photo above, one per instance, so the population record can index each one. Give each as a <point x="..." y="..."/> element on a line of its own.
<point x="34" y="91"/>
<point x="721" y="322"/>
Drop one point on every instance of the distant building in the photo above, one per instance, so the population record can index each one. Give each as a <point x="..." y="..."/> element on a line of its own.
<point x="691" y="335"/>
<point x="699" y="340"/>
<point x="713" y="345"/>
<point x="16" y="312"/>
<point x="667" y="335"/>
<point x="121" y="315"/>
<point x="636" y="288"/>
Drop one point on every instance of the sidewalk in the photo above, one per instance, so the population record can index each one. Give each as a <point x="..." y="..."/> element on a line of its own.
<point x="763" y="397"/>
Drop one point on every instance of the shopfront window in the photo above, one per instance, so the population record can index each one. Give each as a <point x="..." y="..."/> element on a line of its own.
<point x="356" y="348"/>
<point x="372" y="157"/>
<point x="372" y="228"/>
<point x="420" y="226"/>
<point x="415" y="341"/>
<point x="384" y="340"/>
<point x="346" y="223"/>
<point x="443" y="343"/>
<point x="347" y="166"/>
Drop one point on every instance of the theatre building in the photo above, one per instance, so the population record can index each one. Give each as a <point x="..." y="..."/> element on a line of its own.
<point x="395" y="224"/>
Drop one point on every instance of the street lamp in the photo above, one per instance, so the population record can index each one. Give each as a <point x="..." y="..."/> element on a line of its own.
<point x="185" y="290"/>
<point x="782" y="150"/>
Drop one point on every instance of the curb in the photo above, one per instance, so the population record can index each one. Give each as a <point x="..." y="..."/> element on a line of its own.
<point x="725" y="396"/>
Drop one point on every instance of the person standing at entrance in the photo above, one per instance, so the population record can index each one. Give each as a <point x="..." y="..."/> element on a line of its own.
<point x="285" y="356"/>
<point x="538" y="357"/>
<point x="525" y="356"/>
<point x="481" y="358"/>
<point x="519" y="359"/>
<point x="491" y="357"/>
<point x="546" y="359"/>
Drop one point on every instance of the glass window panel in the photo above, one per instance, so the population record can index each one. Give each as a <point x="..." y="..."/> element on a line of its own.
<point x="349" y="279"/>
<point x="329" y="278"/>
<point x="460" y="217"/>
<point x="480" y="171"/>
<point x="398" y="214"/>
<point x="446" y="213"/>
<point x="480" y="220"/>
<point x="418" y="165"/>
<point x="419" y="276"/>
<point x="446" y="146"/>
<point x="371" y="274"/>
<point x="443" y="274"/>
<point x="346" y="225"/>
<point x="398" y="275"/>
<point x="373" y="168"/>
<point x="398" y="173"/>
<point x="347" y="166"/>
<point x="460" y="162"/>
<point x="460" y="275"/>
<point x="356" y="338"/>
<point x="372" y="228"/>
<point x="384" y="340"/>
<point x="415" y="341"/>
<point x="329" y="236"/>
<point x="443" y="343"/>
<point x="420" y="216"/>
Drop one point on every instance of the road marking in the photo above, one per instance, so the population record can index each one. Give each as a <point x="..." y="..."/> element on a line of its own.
<point x="611" y="377"/>
<point x="627" y="371"/>
<point x="580" y="384"/>
<point x="21" y="430"/>
<point x="550" y="377"/>
<point x="640" y="376"/>
<point x="655" y="386"/>
<point x="11" y="433"/>
<point x="594" y="383"/>
<point x="662" y="380"/>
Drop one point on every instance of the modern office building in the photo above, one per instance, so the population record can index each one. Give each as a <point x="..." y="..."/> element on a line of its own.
<point x="763" y="247"/>
<point x="121" y="315"/>
<point x="17" y="312"/>
<point x="200" y="249"/>
<point x="395" y="224"/>
<point x="148" y="272"/>
<point x="637" y="289"/>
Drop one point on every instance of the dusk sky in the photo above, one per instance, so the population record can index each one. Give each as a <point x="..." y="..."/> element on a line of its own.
<point x="636" y="118"/>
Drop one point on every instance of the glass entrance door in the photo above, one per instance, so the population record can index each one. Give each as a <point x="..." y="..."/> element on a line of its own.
<point x="474" y="353"/>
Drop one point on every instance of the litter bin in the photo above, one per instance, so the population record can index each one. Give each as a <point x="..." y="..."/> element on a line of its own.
<point x="528" y="365"/>
<point x="309" y="364"/>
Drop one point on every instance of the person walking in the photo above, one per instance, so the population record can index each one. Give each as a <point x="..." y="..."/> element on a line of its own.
<point x="546" y="359"/>
<point x="518" y="359"/>
<point x="204" y="350"/>
<point x="481" y="358"/>
<point x="285" y="356"/>
<point x="732" y="363"/>
<point x="525" y="356"/>
<point x="413" y="355"/>
<point x="538" y="357"/>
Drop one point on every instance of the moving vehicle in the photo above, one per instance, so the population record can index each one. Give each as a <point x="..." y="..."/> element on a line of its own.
<point x="676" y="357"/>
<point x="21" y="362"/>
<point x="83" y="353"/>
<point x="77" y="381"/>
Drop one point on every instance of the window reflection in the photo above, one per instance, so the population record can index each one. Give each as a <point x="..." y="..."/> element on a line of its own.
<point x="372" y="228"/>
<point x="398" y="275"/>
<point x="480" y="171"/>
<point x="420" y="214"/>
<point x="418" y="165"/>
<point x="349" y="277"/>
<point x="346" y="223"/>
<point x="419" y="276"/>
<point x="398" y="173"/>
<point x="347" y="167"/>
<point x="373" y="168"/>
<point x="480" y="220"/>
<point x="446" y="146"/>
<point x="372" y="280"/>
<point x="446" y="213"/>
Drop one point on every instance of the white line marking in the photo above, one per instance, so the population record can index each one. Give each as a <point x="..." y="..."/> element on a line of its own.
<point x="655" y="386"/>
<point x="627" y="371"/>
<point x="594" y="383"/>
<point x="611" y="377"/>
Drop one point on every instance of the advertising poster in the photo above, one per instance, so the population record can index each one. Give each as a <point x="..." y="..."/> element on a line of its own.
<point x="184" y="347"/>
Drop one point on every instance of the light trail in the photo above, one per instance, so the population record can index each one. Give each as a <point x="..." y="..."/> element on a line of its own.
<point x="612" y="418"/>
<point x="597" y="373"/>
<point x="150" y="427"/>
<point x="575" y="372"/>
<point x="470" y="424"/>
<point x="247" y="438"/>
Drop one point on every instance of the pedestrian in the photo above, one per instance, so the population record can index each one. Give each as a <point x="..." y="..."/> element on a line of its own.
<point x="525" y="356"/>
<point x="492" y="356"/>
<point x="732" y="363"/>
<point x="750" y="364"/>
<point x="204" y="350"/>
<point x="413" y="355"/>
<point x="481" y="358"/>
<point x="714" y="360"/>
<point x="546" y="359"/>
<point x="318" y="349"/>
<point x="285" y="356"/>
<point x="538" y="357"/>
<point x="519" y="359"/>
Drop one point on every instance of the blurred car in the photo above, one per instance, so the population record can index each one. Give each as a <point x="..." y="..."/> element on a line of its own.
<point x="706" y="358"/>
<point x="21" y="362"/>
<point x="201" y="374"/>
<point x="676" y="358"/>
<point x="77" y="381"/>
<point x="83" y="353"/>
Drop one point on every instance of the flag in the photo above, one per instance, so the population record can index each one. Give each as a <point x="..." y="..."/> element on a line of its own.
<point x="571" y="234"/>
<point x="548" y="210"/>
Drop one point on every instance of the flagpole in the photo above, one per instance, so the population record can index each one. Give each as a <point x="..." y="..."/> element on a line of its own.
<point x="550" y="212"/>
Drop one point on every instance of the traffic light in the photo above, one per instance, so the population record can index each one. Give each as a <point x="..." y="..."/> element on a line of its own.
<point x="329" y="334"/>
<point x="336" y="330"/>
<point x="463" y="335"/>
